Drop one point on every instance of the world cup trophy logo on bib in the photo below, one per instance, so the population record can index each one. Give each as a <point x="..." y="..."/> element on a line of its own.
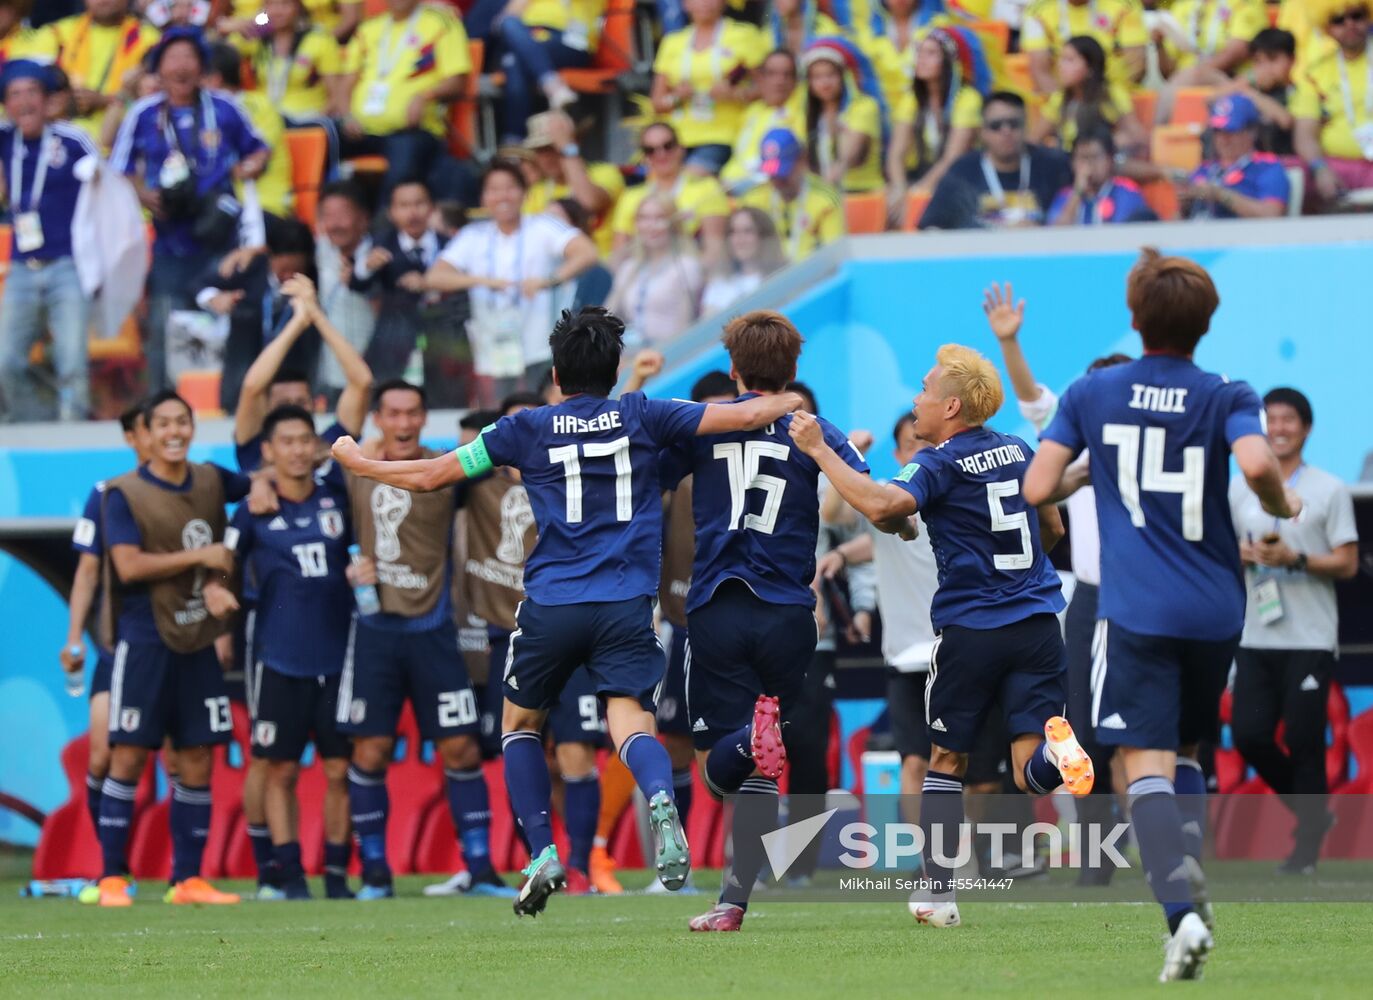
<point x="389" y="508"/>
<point x="516" y="517"/>
<point x="197" y="535"/>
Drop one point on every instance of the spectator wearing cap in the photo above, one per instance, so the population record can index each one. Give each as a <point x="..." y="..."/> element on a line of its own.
<point x="1286" y="657"/>
<point x="808" y="211"/>
<point x="402" y="70"/>
<point x="563" y="173"/>
<point x="701" y="202"/>
<point x="1333" y="105"/>
<point x="703" y="81"/>
<point x="42" y="292"/>
<point x="1098" y="197"/>
<point x="184" y="148"/>
<point x="1240" y="183"/>
<point x="102" y="51"/>
<point x="780" y="104"/>
<point x="844" y="135"/>
<point x="541" y="37"/>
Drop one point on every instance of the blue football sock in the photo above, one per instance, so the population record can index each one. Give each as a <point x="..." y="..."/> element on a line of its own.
<point x="261" y="840"/>
<point x="369" y="804"/>
<point x="941" y="819"/>
<point x="682" y="789"/>
<point x="190" y="822"/>
<point x="730" y="761"/>
<point x="1189" y="781"/>
<point x="1158" y="830"/>
<point x="470" y="806"/>
<point x="116" y="813"/>
<point x="526" y="779"/>
<point x="286" y="857"/>
<point x="648" y="761"/>
<point x="755" y="814"/>
<point x="336" y="858"/>
<point x="582" y="810"/>
<point x="1041" y="774"/>
<point x="93" y="801"/>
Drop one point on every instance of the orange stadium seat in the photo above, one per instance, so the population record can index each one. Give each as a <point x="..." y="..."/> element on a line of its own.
<point x="201" y="390"/>
<point x="1162" y="197"/>
<point x="613" y="56"/>
<point x="1146" y="106"/>
<point x="1176" y="146"/>
<point x="916" y="203"/>
<point x="866" y="213"/>
<point x="309" y="154"/>
<point x="1018" y="76"/>
<point x="999" y="30"/>
<point x="1192" y="106"/>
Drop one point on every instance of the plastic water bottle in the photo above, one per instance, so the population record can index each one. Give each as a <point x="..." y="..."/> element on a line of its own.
<point x="364" y="593"/>
<point x="76" y="679"/>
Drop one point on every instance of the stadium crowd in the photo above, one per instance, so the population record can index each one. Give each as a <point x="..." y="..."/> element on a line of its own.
<point x="347" y="141"/>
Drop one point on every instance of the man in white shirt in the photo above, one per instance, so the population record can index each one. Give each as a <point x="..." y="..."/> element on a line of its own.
<point x="1291" y="625"/>
<point x="340" y="241"/>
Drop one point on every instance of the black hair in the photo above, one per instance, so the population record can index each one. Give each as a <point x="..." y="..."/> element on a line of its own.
<point x="160" y="397"/>
<point x="1275" y="42"/>
<point x="1099" y="133"/>
<point x="1109" y="361"/>
<point x="290" y="236"/>
<point x="806" y="391"/>
<point x="586" y="350"/>
<point x="411" y="182"/>
<point x="1003" y="97"/>
<point x="397" y="383"/>
<point x="907" y="417"/>
<point x="281" y="415"/>
<point x="130" y="418"/>
<point x="716" y="383"/>
<point x="530" y="399"/>
<point x="509" y="167"/>
<point x="348" y="190"/>
<point x="1286" y="396"/>
<point x="227" y="64"/>
<point x="475" y="420"/>
<point x="576" y="213"/>
<point x="285" y="376"/>
<point x="453" y="212"/>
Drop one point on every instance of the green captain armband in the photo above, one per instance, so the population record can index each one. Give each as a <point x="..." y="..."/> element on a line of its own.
<point x="473" y="457"/>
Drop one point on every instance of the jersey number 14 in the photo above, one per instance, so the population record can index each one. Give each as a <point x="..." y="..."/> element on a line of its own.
<point x="1151" y="477"/>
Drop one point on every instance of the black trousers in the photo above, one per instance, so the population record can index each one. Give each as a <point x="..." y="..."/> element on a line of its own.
<point x="1290" y="686"/>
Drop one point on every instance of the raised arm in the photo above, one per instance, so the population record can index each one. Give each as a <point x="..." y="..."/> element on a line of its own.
<point x="881" y="504"/>
<point x="1005" y="316"/>
<point x="252" y="395"/>
<point x="1261" y="471"/>
<point x="421" y="475"/>
<point x="352" y="403"/>
<point x="1044" y="479"/>
<point x="724" y="418"/>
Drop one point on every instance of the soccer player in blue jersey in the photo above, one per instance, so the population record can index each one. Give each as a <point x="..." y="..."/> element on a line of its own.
<point x="590" y="466"/>
<point x="750" y="608"/>
<point x="996" y="606"/>
<point x="296" y="559"/>
<point x="1159" y="433"/>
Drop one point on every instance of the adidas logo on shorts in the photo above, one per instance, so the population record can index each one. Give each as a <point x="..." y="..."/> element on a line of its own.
<point x="699" y="726"/>
<point x="938" y="726"/>
<point x="1113" y="721"/>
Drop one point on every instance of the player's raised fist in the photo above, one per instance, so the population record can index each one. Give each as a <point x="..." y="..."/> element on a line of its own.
<point x="346" y="452"/>
<point x="805" y="431"/>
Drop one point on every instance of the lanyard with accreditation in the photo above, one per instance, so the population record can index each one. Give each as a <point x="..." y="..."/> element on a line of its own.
<point x="496" y="328"/>
<point x="1267" y="591"/>
<point x="388" y="55"/>
<point x="1363" y="133"/>
<point x="28" y="229"/>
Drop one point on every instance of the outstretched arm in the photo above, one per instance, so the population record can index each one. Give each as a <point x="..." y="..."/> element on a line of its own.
<point x="1044" y="479"/>
<point x="352" y="403"/>
<point x="252" y="395"/>
<point x="723" y="418"/>
<point x="1261" y="471"/>
<point x="881" y="504"/>
<point x="1005" y="316"/>
<point x="421" y="475"/>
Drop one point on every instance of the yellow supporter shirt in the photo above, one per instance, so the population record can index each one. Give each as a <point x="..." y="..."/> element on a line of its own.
<point x="1212" y="24"/>
<point x="605" y="176"/>
<point x="967" y="113"/>
<point x="701" y="120"/>
<point x="697" y="198"/>
<point x="322" y="13"/>
<point x="578" y="20"/>
<point x="759" y="120"/>
<point x="274" y="188"/>
<point x="24" y="42"/>
<point x="807" y="223"/>
<point x="296" y="83"/>
<point x="1338" y="92"/>
<point x="1116" y="107"/>
<point x="398" y="61"/>
<point x="1116" y="24"/>
<point x="1312" y="41"/>
<point x="865" y="117"/>
<point x="99" y="57"/>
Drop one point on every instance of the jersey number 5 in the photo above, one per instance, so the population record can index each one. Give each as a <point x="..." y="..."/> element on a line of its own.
<point x="1190" y="482"/>
<point x="572" y="473"/>
<point x="741" y="466"/>
<point x="1001" y="521"/>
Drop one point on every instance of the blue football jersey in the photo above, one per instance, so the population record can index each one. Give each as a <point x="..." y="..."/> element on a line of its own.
<point x="992" y="567"/>
<point x="86" y="535"/>
<point x="756" y="504"/>
<point x="590" y="466"/>
<point x="1159" y="431"/>
<point x="296" y="559"/>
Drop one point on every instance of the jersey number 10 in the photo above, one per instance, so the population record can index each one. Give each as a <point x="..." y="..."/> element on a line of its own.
<point x="1190" y="482"/>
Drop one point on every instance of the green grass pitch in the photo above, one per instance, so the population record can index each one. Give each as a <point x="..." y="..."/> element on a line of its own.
<point x="639" y="946"/>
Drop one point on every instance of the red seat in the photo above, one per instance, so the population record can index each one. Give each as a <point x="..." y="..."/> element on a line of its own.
<point x="858" y="742"/>
<point x="227" y="852"/>
<point x="1360" y="734"/>
<point x="414" y="788"/>
<point x="310" y="789"/>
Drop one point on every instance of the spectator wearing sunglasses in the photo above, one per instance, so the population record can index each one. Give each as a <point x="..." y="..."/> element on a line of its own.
<point x="1008" y="183"/>
<point x="701" y="203"/>
<point x="1333" y="106"/>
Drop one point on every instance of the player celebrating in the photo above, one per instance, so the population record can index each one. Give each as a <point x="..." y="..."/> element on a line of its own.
<point x="994" y="612"/>
<point x="1159" y="432"/>
<point x="750" y="609"/>
<point x="590" y="466"/>
<point x="297" y="559"/>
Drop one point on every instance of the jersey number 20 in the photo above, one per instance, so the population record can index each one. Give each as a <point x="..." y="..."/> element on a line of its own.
<point x="1190" y="482"/>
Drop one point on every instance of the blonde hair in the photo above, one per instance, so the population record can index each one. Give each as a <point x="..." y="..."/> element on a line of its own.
<point x="679" y="244"/>
<point x="973" y="379"/>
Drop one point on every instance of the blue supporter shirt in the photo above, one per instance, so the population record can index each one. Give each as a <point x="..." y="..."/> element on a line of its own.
<point x="62" y="146"/>
<point x="1159" y="432"/>
<point x="136" y="623"/>
<point x="992" y="567"/>
<point x="757" y="509"/>
<point x="590" y="465"/>
<point x="249" y="453"/>
<point x="213" y="134"/>
<point x="1259" y="176"/>
<point x="1120" y="200"/>
<point x="296" y="559"/>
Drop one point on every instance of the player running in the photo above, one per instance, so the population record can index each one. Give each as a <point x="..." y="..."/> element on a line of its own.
<point x="590" y="466"/>
<point x="995" y="610"/>
<point x="750" y="608"/>
<point x="1159" y="433"/>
